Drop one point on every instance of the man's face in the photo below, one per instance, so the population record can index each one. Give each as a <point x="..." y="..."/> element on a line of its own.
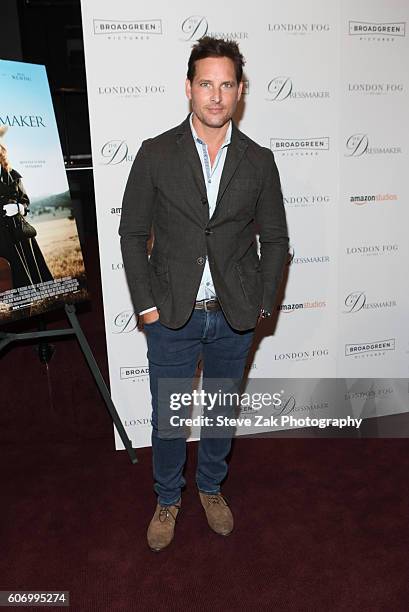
<point x="214" y="92"/>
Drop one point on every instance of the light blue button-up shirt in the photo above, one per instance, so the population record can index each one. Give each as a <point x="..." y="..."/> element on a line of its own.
<point x="212" y="176"/>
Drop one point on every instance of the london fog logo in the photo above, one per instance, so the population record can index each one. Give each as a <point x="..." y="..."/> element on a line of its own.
<point x="131" y="91"/>
<point x="135" y="29"/>
<point x="356" y="301"/>
<point x="281" y="88"/>
<point x="134" y="373"/>
<point x="125" y="322"/>
<point x="373" y="250"/>
<point x="299" y="146"/>
<point x="307" y="355"/>
<point x="305" y="200"/>
<point x="115" y="152"/>
<point x="197" y="26"/>
<point x="299" y="28"/>
<point x="374" y="348"/>
<point x="358" y="145"/>
<point x="375" y="89"/>
<point x="313" y="259"/>
<point x="377" y="31"/>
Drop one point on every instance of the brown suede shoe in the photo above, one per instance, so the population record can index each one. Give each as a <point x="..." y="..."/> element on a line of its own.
<point x="218" y="513"/>
<point x="162" y="526"/>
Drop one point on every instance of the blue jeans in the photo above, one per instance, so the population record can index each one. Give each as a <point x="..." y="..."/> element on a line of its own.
<point x="174" y="353"/>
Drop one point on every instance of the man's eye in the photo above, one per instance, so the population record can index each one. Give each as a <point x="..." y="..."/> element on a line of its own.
<point x="204" y="84"/>
<point x="228" y="85"/>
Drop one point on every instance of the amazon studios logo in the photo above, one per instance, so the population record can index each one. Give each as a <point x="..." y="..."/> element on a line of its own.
<point x="196" y="26"/>
<point x="367" y="30"/>
<point x="356" y="301"/>
<point x="361" y="200"/>
<point x="115" y="152"/>
<point x="281" y="88"/>
<point x="370" y="349"/>
<point x="125" y="322"/>
<point x="299" y="146"/>
<point x="131" y="91"/>
<point x="116" y="29"/>
<point x="358" y="145"/>
<point x="299" y="28"/>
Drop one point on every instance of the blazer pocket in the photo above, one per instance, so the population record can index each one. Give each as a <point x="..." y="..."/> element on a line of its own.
<point x="251" y="281"/>
<point x="159" y="276"/>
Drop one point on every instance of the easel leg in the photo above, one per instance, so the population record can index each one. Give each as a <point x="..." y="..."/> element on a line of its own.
<point x="70" y="310"/>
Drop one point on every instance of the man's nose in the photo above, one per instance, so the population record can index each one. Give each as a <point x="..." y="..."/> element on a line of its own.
<point x="216" y="94"/>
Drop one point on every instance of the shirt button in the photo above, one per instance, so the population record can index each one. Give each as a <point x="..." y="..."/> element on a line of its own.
<point x="200" y="261"/>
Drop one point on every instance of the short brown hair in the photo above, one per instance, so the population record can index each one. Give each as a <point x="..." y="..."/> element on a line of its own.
<point x="215" y="47"/>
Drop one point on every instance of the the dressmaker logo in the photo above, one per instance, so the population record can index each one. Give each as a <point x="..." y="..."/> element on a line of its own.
<point x="125" y="322"/>
<point x="372" y="250"/>
<point x="117" y="266"/>
<point x="197" y="26"/>
<point x="358" y="145"/>
<point x="134" y="373"/>
<point x="114" y="152"/>
<point x="374" y="348"/>
<point x="299" y="146"/>
<point x="313" y="259"/>
<point x="23" y="121"/>
<point x="141" y="90"/>
<point x="299" y="28"/>
<point x="362" y="200"/>
<point x="375" y="89"/>
<point x="356" y="301"/>
<point x="116" y="211"/>
<point x="281" y="88"/>
<point x="377" y="31"/>
<point x="120" y="29"/>
<point x="141" y="422"/>
<point x="305" y="200"/>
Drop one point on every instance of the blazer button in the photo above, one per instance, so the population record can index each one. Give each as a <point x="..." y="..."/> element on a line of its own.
<point x="208" y="232"/>
<point x="200" y="261"/>
<point x="204" y="201"/>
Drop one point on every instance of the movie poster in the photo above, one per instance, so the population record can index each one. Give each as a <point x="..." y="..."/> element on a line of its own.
<point x="41" y="264"/>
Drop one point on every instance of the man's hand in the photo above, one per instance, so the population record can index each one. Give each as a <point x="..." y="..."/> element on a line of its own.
<point x="150" y="317"/>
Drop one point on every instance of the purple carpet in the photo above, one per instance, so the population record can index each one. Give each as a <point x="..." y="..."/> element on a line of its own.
<point x="320" y="524"/>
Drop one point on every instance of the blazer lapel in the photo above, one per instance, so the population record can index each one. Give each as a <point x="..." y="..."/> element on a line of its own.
<point x="191" y="159"/>
<point x="235" y="152"/>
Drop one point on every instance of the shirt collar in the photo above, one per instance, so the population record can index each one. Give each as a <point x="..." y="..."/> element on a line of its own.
<point x="196" y="137"/>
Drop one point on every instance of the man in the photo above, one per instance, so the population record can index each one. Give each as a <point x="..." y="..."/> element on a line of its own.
<point x="203" y="187"/>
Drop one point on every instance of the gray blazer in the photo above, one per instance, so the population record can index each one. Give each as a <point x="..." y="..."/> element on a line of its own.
<point x="166" y="192"/>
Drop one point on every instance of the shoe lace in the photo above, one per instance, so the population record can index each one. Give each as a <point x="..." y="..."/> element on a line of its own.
<point x="216" y="499"/>
<point x="165" y="512"/>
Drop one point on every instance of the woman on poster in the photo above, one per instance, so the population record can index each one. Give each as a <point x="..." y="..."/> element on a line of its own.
<point x="27" y="263"/>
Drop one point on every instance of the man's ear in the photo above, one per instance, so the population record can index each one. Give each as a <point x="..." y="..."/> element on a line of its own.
<point x="188" y="89"/>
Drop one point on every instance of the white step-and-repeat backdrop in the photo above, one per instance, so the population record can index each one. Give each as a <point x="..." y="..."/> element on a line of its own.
<point x="327" y="90"/>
